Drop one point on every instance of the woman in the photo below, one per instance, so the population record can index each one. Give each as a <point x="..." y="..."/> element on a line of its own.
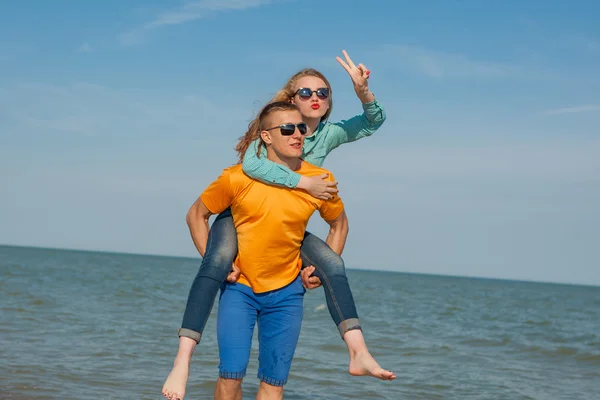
<point x="311" y="92"/>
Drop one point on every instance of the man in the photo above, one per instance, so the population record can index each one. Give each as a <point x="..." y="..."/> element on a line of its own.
<point x="270" y="224"/>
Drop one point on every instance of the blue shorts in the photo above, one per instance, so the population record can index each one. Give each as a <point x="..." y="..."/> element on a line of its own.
<point x="279" y="314"/>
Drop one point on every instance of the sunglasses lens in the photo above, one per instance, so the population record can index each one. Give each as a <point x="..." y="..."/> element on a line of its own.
<point x="305" y="93"/>
<point x="287" y="129"/>
<point x="323" y="93"/>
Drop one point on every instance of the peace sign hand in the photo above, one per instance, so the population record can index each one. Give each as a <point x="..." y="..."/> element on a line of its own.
<point x="358" y="73"/>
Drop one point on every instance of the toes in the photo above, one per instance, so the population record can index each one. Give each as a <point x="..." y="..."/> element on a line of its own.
<point x="170" y="396"/>
<point x="385" y="375"/>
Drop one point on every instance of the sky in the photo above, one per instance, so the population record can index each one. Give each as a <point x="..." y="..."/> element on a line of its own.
<point x="114" y="116"/>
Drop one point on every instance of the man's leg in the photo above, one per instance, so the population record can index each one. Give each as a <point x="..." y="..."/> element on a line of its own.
<point x="329" y="267"/>
<point x="238" y="310"/>
<point x="221" y="250"/>
<point x="269" y="392"/>
<point x="279" y="324"/>
<point x="228" y="389"/>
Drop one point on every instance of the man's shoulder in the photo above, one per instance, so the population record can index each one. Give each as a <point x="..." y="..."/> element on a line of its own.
<point x="236" y="177"/>
<point x="234" y="169"/>
<point x="234" y="172"/>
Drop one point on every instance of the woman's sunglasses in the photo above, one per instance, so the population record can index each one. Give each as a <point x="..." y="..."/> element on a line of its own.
<point x="306" y="93"/>
<point x="289" y="129"/>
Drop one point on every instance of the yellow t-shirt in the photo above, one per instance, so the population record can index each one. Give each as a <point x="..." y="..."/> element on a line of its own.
<point x="270" y="223"/>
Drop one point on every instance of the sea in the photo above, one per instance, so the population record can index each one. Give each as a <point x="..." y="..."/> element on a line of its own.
<point x="92" y="325"/>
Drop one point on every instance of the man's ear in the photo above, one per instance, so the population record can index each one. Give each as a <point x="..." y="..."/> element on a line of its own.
<point x="266" y="137"/>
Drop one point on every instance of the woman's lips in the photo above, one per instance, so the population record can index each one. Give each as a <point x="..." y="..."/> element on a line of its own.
<point x="315" y="106"/>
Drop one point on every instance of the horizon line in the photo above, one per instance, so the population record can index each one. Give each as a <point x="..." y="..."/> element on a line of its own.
<point x="350" y="268"/>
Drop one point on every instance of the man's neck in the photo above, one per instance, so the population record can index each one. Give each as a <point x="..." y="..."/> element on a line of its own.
<point x="293" y="163"/>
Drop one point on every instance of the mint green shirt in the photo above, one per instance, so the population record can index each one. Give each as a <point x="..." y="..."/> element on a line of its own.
<point x="327" y="137"/>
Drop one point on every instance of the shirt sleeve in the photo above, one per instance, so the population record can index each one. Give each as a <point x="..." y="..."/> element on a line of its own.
<point x="218" y="196"/>
<point x="262" y="169"/>
<point x="357" y="127"/>
<point x="331" y="209"/>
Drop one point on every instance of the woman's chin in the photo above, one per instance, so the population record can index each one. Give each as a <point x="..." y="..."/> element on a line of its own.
<point x="316" y="114"/>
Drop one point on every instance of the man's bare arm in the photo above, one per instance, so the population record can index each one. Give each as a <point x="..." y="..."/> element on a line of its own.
<point x="197" y="220"/>
<point x="338" y="232"/>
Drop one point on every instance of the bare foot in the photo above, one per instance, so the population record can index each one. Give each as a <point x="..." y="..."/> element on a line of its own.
<point x="174" y="387"/>
<point x="363" y="364"/>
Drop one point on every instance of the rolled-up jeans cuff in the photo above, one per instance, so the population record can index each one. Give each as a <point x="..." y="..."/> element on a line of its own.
<point x="349" y="325"/>
<point x="190" y="334"/>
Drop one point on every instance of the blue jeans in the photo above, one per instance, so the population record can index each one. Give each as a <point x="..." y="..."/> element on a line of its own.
<point x="221" y="251"/>
<point x="279" y="316"/>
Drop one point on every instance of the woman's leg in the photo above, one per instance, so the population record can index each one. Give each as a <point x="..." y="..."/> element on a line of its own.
<point x="221" y="250"/>
<point x="330" y="269"/>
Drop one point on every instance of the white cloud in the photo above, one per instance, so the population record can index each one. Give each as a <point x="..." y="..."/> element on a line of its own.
<point x="574" y="110"/>
<point x="438" y="64"/>
<point x="200" y="9"/>
<point x="131" y="38"/>
<point x="443" y="65"/>
<point x="581" y="43"/>
<point x="93" y="110"/>
<point x="85" y="48"/>
<point x="191" y="11"/>
<point x="523" y="161"/>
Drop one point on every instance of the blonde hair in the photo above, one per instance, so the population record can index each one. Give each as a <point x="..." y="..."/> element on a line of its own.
<point x="284" y="95"/>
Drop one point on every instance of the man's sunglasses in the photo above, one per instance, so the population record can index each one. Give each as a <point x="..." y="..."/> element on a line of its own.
<point x="289" y="129"/>
<point x="306" y="93"/>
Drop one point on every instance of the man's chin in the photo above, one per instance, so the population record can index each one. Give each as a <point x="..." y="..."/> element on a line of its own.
<point x="294" y="153"/>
